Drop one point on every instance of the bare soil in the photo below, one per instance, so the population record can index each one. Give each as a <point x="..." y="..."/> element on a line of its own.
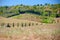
<point x="41" y="31"/>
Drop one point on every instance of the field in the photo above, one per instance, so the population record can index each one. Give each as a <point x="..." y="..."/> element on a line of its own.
<point x="24" y="22"/>
<point x="30" y="30"/>
<point x="28" y="16"/>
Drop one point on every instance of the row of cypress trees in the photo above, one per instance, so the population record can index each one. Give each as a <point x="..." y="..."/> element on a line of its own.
<point x="18" y="24"/>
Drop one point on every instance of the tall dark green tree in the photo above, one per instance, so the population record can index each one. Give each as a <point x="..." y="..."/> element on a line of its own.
<point x="8" y="25"/>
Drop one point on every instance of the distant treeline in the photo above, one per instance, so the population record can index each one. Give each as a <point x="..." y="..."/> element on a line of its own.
<point x="46" y="10"/>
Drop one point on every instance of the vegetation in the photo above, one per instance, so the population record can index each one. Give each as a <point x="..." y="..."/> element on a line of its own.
<point x="13" y="25"/>
<point x="22" y="24"/>
<point x="47" y="12"/>
<point x="17" y="24"/>
<point x="8" y="25"/>
<point x="2" y="24"/>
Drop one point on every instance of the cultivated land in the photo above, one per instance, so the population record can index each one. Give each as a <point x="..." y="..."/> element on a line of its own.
<point x="23" y="22"/>
<point x="28" y="16"/>
<point x="34" y="31"/>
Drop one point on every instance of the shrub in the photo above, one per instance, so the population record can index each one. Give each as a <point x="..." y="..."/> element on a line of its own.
<point x="57" y="15"/>
<point x="22" y="24"/>
<point x="29" y="24"/>
<point x="47" y="19"/>
<point x="13" y="24"/>
<point x="36" y="23"/>
<point x="8" y="25"/>
<point x="32" y="24"/>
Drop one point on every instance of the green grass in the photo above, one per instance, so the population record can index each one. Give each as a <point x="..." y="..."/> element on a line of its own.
<point x="26" y="15"/>
<point x="45" y="19"/>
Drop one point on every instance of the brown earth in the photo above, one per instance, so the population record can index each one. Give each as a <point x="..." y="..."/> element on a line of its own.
<point x="38" y="31"/>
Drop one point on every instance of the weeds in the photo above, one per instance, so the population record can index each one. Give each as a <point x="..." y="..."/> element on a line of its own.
<point x="2" y="24"/>
<point x="17" y="24"/>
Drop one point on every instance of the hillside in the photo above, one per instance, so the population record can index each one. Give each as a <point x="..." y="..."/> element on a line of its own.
<point x="23" y="22"/>
<point x="40" y="13"/>
<point x="28" y="16"/>
<point x="30" y="30"/>
<point x="48" y="10"/>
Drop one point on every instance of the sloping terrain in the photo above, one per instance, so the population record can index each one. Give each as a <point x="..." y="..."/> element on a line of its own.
<point x="28" y="16"/>
<point x="23" y="22"/>
<point x="30" y="30"/>
<point x="9" y="11"/>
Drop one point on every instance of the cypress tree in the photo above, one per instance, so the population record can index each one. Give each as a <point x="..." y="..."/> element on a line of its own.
<point x="8" y="25"/>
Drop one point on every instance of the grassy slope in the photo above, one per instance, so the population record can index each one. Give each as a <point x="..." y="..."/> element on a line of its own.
<point x="28" y="16"/>
<point x="38" y="32"/>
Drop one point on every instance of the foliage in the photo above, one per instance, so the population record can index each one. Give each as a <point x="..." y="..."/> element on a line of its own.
<point x="47" y="19"/>
<point x="8" y="25"/>
<point x="39" y="9"/>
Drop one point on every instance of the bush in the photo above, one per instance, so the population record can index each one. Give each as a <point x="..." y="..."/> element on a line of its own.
<point x="29" y="24"/>
<point x="47" y="19"/>
<point x="32" y="24"/>
<point x="57" y="15"/>
<point x="13" y="24"/>
<point x="8" y="25"/>
<point x="36" y="23"/>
